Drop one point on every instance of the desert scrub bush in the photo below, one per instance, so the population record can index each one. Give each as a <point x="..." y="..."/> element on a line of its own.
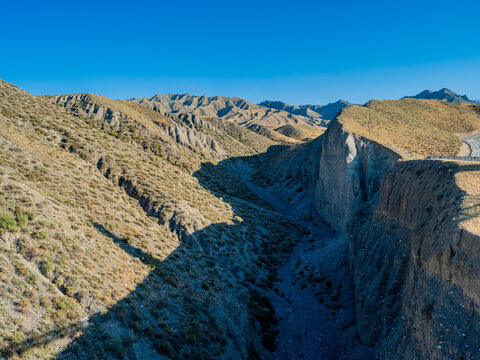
<point x="427" y="310"/>
<point x="45" y="267"/>
<point x="44" y="223"/>
<point x="39" y="234"/>
<point x="7" y="223"/>
<point x="190" y="333"/>
<point x="16" y="344"/>
<point x="163" y="347"/>
<point x="262" y="310"/>
<point x="22" y="216"/>
<point x="439" y="195"/>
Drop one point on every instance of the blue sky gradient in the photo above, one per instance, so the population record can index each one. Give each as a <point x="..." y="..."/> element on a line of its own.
<point x="297" y="51"/>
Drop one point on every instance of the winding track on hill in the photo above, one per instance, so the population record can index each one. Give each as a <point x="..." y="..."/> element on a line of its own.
<point x="473" y="143"/>
<point x="307" y="328"/>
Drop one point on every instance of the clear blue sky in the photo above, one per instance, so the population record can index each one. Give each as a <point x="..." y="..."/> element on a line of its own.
<point x="297" y="51"/>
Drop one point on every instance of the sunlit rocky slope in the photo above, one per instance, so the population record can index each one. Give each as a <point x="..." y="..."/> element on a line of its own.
<point x="122" y="236"/>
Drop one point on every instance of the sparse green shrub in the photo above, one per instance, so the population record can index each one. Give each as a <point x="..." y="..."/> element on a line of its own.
<point x="17" y="341"/>
<point x="39" y="235"/>
<point x="163" y="347"/>
<point x="149" y="260"/>
<point x="46" y="267"/>
<point x="7" y="223"/>
<point x="62" y="304"/>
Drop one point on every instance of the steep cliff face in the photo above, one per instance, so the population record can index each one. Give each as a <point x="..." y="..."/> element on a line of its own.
<point x="349" y="174"/>
<point x="416" y="266"/>
<point x="333" y="176"/>
<point x="413" y="239"/>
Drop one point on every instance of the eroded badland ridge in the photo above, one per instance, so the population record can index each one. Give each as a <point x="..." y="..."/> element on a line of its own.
<point x="229" y="230"/>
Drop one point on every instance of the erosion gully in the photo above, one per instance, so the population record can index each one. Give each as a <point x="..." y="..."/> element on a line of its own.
<point x="314" y="295"/>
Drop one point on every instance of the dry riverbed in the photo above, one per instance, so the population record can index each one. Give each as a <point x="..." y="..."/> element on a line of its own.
<point x="313" y="296"/>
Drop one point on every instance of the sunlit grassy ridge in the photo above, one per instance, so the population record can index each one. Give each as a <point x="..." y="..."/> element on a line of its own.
<point x="469" y="182"/>
<point x="300" y="132"/>
<point x="182" y="140"/>
<point x="419" y="127"/>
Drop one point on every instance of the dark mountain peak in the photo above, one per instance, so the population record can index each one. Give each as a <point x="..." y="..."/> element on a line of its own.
<point x="274" y="104"/>
<point x="443" y="94"/>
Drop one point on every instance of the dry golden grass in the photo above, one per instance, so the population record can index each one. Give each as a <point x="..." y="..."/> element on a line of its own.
<point x="469" y="182"/>
<point x="52" y="268"/>
<point x="419" y="127"/>
<point x="300" y="132"/>
<point x="133" y="110"/>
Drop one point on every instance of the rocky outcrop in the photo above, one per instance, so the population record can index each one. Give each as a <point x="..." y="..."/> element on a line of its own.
<point x="86" y="103"/>
<point x="334" y="175"/>
<point x="184" y="129"/>
<point x="181" y="218"/>
<point x="350" y="170"/>
<point x="416" y="269"/>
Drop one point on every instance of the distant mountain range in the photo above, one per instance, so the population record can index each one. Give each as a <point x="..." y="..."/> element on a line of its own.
<point x="319" y="113"/>
<point x="267" y="113"/>
<point x="243" y="112"/>
<point x="443" y="94"/>
<point x="235" y="109"/>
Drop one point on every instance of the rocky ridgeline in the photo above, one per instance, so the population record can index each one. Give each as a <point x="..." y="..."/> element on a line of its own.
<point x="184" y="129"/>
<point x="234" y="109"/>
<point x="319" y="114"/>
